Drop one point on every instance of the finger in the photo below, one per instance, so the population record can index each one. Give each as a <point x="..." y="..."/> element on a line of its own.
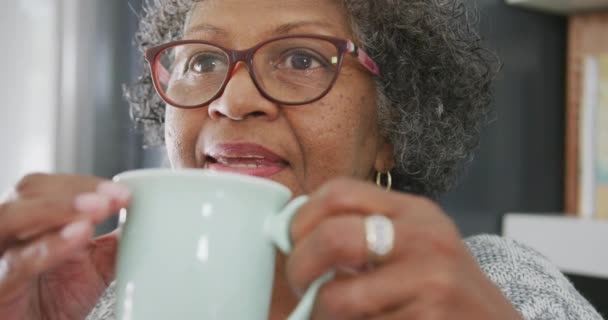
<point x="21" y="265"/>
<point x="103" y="252"/>
<point x="346" y="195"/>
<point x="423" y="286"/>
<point x="40" y="184"/>
<point x="119" y="194"/>
<point x="26" y="219"/>
<point x="338" y="242"/>
<point x="366" y="295"/>
<point x="408" y="313"/>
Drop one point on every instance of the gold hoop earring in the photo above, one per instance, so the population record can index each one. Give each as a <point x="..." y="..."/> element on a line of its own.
<point x="389" y="180"/>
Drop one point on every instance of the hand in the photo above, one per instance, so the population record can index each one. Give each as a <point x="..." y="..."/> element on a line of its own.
<point x="49" y="266"/>
<point x="429" y="274"/>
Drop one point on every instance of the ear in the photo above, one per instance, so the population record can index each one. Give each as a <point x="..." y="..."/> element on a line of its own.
<point x="385" y="158"/>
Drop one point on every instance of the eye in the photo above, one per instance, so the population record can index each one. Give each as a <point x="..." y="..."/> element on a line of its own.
<point x="207" y="62"/>
<point x="300" y="60"/>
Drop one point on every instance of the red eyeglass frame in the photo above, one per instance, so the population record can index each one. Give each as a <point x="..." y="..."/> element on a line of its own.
<point x="246" y="56"/>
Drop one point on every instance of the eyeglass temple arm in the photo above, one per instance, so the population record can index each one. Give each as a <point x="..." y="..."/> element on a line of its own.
<point x="156" y="68"/>
<point x="363" y="58"/>
<point x="162" y="73"/>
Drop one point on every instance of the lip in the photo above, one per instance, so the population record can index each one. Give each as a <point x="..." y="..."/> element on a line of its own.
<point x="244" y="158"/>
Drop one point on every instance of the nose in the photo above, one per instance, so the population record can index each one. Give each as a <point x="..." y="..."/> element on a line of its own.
<point x="241" y="99"/>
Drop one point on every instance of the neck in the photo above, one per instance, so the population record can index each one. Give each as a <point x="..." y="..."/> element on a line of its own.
<point x="284" y="300"/>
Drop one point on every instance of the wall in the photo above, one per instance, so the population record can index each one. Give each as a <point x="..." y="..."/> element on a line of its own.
<point x="64" y="64"/>
<point x="519" y="167"/>
<point x="28" y="87"/>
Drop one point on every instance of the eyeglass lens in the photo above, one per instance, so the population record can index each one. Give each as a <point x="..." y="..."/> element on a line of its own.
<point x="290" y="70"/>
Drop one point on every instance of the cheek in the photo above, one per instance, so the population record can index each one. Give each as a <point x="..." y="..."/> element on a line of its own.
<point x="343" y="139"/>
<point x="181" y="132"/>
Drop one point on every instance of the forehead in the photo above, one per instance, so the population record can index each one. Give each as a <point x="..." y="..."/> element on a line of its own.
<point x="241" y="21"/>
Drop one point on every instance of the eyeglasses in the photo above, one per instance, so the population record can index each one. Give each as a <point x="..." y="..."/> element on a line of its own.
<point x="289" y="70"/>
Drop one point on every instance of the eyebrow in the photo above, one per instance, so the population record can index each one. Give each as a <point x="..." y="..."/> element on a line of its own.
<point x="280" y="30"/>
<point x="205" y="28"/>
<point x="288" y="27"/>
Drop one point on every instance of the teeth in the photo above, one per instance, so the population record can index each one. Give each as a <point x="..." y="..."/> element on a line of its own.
<point x="242" y="165"/>
<point x="243" y="157"/>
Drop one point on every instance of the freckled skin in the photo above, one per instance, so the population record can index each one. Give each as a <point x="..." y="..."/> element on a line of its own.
<point x="335" y="136"/>
<point x="332" y="137"/>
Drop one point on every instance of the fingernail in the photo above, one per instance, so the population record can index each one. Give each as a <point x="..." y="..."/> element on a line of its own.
<point x="40" y="250"/>
<point x="5" y="268"/>
<point x="92" y="203"/>
<point x="74" y="230"/>
<point x="114" y="190"/>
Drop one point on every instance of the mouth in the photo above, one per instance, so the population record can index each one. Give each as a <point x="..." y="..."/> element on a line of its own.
<point x="244" y="158"/>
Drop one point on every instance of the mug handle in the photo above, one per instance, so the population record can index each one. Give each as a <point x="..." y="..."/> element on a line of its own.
<point x="278" y="230"/>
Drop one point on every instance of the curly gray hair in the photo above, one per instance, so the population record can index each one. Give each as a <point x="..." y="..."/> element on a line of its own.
<point x="433" y="98"/>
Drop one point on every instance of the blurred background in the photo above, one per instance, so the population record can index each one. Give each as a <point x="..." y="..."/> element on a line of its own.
<point x="64" y="62"/>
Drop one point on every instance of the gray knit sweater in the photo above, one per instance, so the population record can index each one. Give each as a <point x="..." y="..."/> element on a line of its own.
<point x="533" y="285"/>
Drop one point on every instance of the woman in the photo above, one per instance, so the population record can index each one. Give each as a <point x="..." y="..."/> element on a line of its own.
<point x="310" y="109"/>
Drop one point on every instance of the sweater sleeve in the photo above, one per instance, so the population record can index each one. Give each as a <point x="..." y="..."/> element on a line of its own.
<point x="104" y="310"/>
<point x="529" y="280"/>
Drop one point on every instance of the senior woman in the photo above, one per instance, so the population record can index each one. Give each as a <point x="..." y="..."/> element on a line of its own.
<point x="324" y="97"/>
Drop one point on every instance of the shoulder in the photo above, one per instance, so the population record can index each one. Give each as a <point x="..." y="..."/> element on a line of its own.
<point x="491" y="249"/>
<point x="529" y="280"/>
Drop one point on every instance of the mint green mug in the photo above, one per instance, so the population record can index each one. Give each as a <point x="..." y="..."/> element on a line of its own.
<point x="198" y="244"/>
